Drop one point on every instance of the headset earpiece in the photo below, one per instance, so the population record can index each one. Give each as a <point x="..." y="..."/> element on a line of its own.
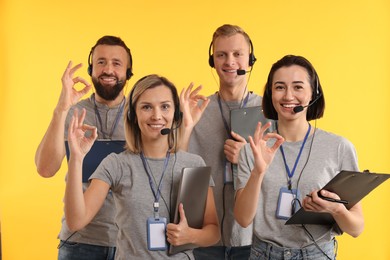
<point x="128" y="73"/>
<point x="211" y="57"/>
<point x="316" y="91"/>
<point x="89" y="69"/>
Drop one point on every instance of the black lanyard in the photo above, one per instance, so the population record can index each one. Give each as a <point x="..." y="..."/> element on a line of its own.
<point x="115" y="124"/>
<point x="156" y="193"/>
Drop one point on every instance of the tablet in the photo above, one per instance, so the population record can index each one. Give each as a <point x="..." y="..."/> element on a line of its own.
<point x="192" y="192"/>
<point x="99" y="150"/>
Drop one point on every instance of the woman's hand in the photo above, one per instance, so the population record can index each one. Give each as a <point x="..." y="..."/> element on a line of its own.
<point x="263" y="154"/>
<point x="179" y="234"/>
<point x="79" y="144"/>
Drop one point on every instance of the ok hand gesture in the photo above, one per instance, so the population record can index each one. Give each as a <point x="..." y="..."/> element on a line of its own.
<point x="69" y="95"/>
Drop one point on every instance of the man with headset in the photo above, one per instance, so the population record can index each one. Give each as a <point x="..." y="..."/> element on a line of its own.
<point x="231" y="54"/>
<point x="110" y="66"/>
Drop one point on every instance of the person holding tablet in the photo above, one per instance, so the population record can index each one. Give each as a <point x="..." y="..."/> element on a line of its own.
<point x="143" y="179"/>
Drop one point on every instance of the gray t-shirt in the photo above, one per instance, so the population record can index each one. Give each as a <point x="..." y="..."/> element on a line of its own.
<point x="322" y="158"/>
<point x="101" y="230"/>
<point x="134" y="198"/>
<point x="207" y="140"/>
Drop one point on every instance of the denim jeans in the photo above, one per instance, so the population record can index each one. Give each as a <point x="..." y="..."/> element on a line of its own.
<point x="262" y="251"/>
<point x="78" y="251"/>
<point x="222" y="252"/>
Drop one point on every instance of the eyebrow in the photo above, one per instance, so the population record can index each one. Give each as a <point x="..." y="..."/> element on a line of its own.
<point x="294" y="82"/>
<point x="105" y="59"/>
<point x="162" y="102"/>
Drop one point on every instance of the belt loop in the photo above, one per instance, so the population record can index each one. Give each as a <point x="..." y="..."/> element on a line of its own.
<point x="269" y="249"/>
<point x="304" y="253"/>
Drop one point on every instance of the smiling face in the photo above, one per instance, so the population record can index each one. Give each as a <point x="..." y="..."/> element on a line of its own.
<point x="230" y="54"/>
<point x="291" y="88"/>
<point x="154" y="109"/>
<point x="110" y="63"/>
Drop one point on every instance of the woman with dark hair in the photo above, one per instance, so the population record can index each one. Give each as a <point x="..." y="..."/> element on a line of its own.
<point x="143" y="179"/>
<point x="277" y="170"/>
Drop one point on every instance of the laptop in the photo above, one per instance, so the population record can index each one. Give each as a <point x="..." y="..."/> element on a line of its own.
<point x="192" y="192"/>
<point x="99" y="150"/>
<point x="243" y="121"/>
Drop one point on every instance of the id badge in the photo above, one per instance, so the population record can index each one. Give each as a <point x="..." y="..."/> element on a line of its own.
<point x="228" y="173"/>
<point x="156" y="229"/>
<point x="287" y="203"/>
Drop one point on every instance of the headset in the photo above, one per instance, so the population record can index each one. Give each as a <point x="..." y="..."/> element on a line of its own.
<point x="131" y="114"/>
<point x="252" y="58"/>
<point x="129" y="71"/>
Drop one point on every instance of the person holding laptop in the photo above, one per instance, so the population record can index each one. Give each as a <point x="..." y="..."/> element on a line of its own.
<point x="143" y="179"/>
<point x="277" y="170"/>
<point x="110" y="67"/>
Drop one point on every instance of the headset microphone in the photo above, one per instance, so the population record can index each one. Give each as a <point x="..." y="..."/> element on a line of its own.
<point x="298" y="109"/>
<point x="242" y="72"/>
<point x="178" y="119"/>
<point x="165" y="131"/>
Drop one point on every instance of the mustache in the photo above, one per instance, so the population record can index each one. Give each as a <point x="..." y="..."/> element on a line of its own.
<point x="107" y="75"/>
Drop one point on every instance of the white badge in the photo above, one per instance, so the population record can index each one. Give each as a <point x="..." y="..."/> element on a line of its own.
<point x="287" y="203"/>
<point x="156" y="229"/>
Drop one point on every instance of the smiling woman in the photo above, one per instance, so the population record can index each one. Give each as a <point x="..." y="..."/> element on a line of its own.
<point x="309" y="157"/>
<point x="150" y="159"/>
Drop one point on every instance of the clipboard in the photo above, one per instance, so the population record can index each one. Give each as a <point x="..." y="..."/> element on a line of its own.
<point x="192" y="192"/>
<point x="243" y="121"/>
<point x="99" y="150"/>
<point x="351" y="186"/>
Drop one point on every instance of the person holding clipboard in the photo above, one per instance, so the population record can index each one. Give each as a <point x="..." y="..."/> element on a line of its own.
<point x="277" y="170"/>
<point x="143" y="179"/>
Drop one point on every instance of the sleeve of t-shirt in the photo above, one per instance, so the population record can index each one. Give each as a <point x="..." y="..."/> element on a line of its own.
<point x="245" y="166"/>
<point x="348" y="156"/>
<point x="107" y="169"/>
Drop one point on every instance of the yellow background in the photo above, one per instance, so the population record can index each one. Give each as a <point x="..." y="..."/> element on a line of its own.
<point x="347" y="41"/>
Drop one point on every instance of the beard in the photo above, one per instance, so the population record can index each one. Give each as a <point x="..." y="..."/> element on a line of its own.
<point x="108" y="93"/>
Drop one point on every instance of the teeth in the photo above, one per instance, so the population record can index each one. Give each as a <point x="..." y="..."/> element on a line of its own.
<point x="288" y="105"/>
<point x="156" y="126"/>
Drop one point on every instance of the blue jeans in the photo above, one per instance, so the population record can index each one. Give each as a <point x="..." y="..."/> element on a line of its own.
<point x="222" y="252"/>
<point x="262" y="251"/>
<point x="78" y="251"/>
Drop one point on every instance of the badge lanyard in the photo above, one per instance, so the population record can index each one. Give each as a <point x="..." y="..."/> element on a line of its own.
<point x="156" y="193"/>
<point x="291" y="173"/>
<point x="118" y="115"/>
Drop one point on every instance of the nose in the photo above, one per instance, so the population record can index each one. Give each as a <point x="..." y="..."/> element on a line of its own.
<point x="230" y="60"/>
<point x="156" y="114"/>
<point x="288" y="95"/>
<point x="108" y="68"/>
